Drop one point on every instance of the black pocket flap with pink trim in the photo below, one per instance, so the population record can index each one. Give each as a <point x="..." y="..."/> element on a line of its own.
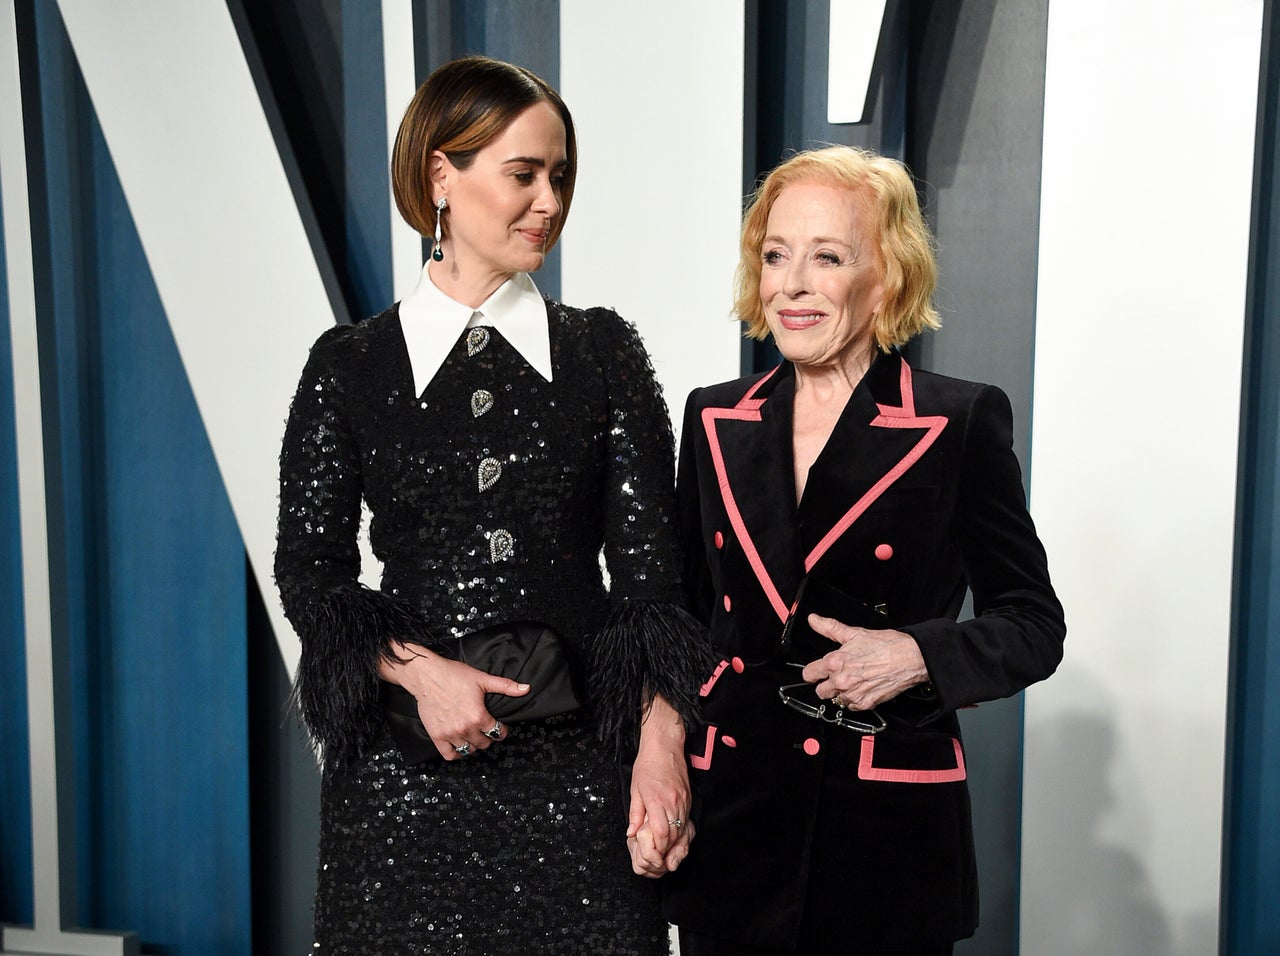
<point x="911" y="758"/>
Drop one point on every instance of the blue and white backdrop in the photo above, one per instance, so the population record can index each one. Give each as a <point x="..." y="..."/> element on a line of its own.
<point x="193" y="190"/>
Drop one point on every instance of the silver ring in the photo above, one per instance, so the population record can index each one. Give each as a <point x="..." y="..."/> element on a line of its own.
<point x="496" y="732"/>
<point x="463" y="750"/>
<point x="677" y="823"/>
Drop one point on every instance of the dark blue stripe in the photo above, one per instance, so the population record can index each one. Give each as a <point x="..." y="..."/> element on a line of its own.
<point x="1251" y="866"/>
<point x="15" y="781"/>
<point x="367" y="201"/>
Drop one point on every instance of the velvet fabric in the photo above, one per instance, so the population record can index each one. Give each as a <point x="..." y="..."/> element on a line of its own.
<point x="812" y="836"/>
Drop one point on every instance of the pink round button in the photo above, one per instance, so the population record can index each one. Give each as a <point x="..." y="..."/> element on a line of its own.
<point x="719" y="540"/>
<point x="728" y="741"/>
<point x="811" y="747"/>
<point x="884" y="552"/>
<point x="728" y="605"/>
<point x="737" y="665"/>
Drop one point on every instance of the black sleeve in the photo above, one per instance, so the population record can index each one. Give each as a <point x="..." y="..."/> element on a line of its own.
<point x="344" y="627"/>
<point x="1017" y="633"/>
<point x="650" y="643"/>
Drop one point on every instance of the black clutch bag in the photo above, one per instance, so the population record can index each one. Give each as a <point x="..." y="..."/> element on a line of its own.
<point x="524" y="651"/>
<point x="800" y="644"/>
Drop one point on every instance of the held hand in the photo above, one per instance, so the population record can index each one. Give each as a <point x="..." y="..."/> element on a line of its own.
<point x="450" y="698"/>
<point x="868" y="668"/>
<point x="658" y="830"/>
<point x="658" y="827"/>
<point x="644" y="858"/>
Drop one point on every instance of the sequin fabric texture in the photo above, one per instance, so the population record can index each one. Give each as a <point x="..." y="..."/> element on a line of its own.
<point x="492" y="494"/>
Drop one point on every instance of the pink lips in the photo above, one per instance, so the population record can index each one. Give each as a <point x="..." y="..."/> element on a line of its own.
<point x="536" y="236"/>
<point x="797" y="320"/>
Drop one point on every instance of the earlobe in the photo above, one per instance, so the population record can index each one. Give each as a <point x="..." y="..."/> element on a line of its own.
<point x="878" y="308"/>
<point x="438" y="169"/>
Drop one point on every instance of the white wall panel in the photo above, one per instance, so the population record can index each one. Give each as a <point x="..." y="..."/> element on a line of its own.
<point x="221" y="231"/>
<point x="854" y="36"/>
<point x="1148" y="151"/>
<point x="656" y="93"/>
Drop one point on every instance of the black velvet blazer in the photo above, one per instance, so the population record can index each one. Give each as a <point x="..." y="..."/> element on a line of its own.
<point x="811" y="834"/>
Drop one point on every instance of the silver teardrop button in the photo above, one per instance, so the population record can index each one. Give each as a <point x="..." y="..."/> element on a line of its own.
<point x="477" y="339"/>
<point x="489" y="472"/>
<point x="501" y="545"/>
<point x="481" y="402"/>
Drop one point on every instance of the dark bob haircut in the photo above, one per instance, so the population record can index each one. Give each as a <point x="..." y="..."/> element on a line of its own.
<point x="461" y="108"/>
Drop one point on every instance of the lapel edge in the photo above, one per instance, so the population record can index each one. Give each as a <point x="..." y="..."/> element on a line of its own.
<point x="746" y="409"/>
<point x="890" y="416"/>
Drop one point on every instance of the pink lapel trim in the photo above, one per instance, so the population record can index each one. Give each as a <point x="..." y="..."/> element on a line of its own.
<point x="747" y="410"/>
<point x="702" y="761"/>
<point x="711" y="681"/>
<point x="889" y="417"/>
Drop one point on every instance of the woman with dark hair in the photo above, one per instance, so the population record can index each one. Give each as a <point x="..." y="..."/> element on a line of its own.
<point x="501" y="441"/>
<point x="835" y="510"/>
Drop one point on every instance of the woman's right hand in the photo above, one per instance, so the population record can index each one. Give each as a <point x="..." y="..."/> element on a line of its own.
<point x="450" y="698"/>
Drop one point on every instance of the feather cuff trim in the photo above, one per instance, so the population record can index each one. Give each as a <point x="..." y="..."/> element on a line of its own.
<point x="646" y="648"/>
<point x="344" y="635"/>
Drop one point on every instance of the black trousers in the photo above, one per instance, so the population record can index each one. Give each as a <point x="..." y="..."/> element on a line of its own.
<point x="696" y="944"/>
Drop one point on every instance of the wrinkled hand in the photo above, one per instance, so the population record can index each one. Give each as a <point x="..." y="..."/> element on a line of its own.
<point x="658" y="826"/>
<point x="868" y="668"/>
<point x="646" y="860"/>
<point x="450" y="698"/>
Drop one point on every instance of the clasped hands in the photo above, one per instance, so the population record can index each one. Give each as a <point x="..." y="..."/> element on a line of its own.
<point x="868" y="668"/>
<point x="658" y="826"/>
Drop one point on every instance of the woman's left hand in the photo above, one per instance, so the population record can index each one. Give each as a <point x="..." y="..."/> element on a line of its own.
<point x="868" y="668"/>
<point x="658" y="827"/>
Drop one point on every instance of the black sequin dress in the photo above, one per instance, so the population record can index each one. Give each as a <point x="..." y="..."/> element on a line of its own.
<point x="492" y="494"/>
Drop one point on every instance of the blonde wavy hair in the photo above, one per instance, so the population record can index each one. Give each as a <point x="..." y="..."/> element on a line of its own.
<point x="903" y="239"/>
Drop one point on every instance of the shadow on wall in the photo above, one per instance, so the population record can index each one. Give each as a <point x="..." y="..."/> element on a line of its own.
<point x="1102" y="900"/>
<point x="945" y="85"/>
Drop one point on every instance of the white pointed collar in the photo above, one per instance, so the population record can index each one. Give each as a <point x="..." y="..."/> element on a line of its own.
<point x="431" y="323"/>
